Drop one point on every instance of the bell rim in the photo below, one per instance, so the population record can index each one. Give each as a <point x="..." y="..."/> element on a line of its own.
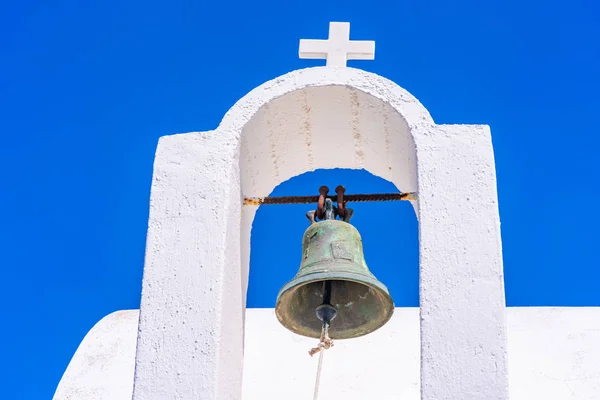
<point x="366" y="280"/>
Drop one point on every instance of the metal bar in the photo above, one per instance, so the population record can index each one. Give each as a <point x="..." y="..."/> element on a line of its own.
<point x="353" y="198"/>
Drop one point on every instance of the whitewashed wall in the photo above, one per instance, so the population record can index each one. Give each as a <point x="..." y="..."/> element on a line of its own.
<point x="554" y="354"/>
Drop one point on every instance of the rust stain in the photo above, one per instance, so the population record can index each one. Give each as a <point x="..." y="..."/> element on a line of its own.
<point x="307" y="128"/>
<point x="351" y="198"/>
<point x="355" y="125"/>
<point x="272" y="145"/>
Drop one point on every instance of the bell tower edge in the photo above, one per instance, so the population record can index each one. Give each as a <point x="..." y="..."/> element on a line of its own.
<point x="462" y="302"/>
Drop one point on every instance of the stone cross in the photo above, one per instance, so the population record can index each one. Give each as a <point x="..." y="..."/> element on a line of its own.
<point x="338" y="48"/>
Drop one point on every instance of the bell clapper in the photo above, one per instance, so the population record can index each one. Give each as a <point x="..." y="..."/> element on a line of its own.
<point x="325" y="313"/>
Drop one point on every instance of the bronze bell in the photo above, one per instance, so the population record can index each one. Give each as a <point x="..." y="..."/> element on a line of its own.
<point x="334" y="271"/>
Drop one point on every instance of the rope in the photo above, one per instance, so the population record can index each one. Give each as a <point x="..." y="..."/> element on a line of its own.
<point x="318" y="381"/>
<point x="324" y="344"/>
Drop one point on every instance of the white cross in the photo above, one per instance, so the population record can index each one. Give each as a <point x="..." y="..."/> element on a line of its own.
<point x="338" y="48"/>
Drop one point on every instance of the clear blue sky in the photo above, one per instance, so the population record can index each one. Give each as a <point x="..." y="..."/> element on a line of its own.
<point x="88" y="87"/>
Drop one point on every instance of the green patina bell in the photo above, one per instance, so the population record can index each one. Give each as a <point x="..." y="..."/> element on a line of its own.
<point x="332" y="258"/>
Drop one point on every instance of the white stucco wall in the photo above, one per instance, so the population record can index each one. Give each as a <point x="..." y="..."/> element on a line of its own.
<point x="190" y="339"/>
<point x="554" y="354"/>
<point x="102" y="367"/>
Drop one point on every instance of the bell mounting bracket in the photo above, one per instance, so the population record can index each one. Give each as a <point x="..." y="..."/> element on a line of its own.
<point x="325" y="208"/>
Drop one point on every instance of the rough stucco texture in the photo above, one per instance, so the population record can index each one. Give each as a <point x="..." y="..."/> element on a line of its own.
<point x="102" y="367"/>
<point x="553" y="355"/>
<point x="191" y="315"/>
<point x="463" y="341"/>
<point x="190" y="339"/>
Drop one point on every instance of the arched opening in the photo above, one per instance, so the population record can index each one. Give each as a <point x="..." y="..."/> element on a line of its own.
<point x="293" y="144"/>
<point x="321" y="127"/>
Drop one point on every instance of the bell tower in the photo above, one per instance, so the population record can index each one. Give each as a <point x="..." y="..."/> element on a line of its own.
<point x="190" y="340"/>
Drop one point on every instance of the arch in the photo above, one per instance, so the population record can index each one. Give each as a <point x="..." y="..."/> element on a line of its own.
<point x="296" y="124"/>
<point x="285" y="128"/>
<point x="368" y="104"/>
<point x="379" y="87"/>
<point x="325" y="127"/>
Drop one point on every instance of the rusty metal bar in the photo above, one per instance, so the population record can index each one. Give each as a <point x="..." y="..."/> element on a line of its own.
<point x="351" y="198"/>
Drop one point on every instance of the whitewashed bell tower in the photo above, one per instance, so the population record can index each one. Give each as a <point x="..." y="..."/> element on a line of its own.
<point x="191" y="328"/>
<point x="193" y="337"/>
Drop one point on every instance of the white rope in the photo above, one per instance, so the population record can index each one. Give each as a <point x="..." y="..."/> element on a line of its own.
<point x="318" y="381"/>
<point x="324" y="344"/>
